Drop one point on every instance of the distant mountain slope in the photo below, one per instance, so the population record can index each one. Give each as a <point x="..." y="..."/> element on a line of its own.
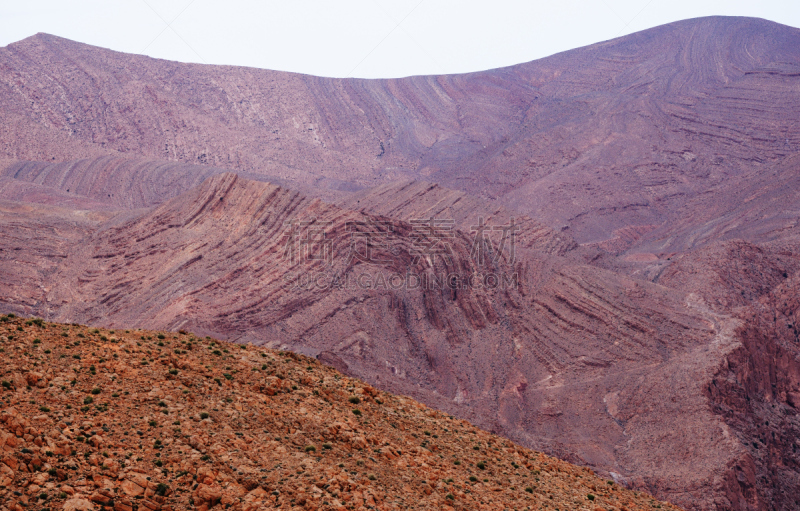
<point x="619" y="134"/>
<point x="111" y="182"/>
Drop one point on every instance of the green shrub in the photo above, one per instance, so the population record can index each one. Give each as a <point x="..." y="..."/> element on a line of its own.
<point x="473" y="479"/>
<point x="481" y="465"/>
<point x="310" y="448"/>
<point x="88" y="400"/>
<point x="357" y="412"/>
<point x="203" y="415"/>
<point x="590" y="497"/>
<point x="355" y="400"/>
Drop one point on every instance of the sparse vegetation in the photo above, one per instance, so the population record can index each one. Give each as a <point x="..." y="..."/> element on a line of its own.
<point x="258" y="409"/>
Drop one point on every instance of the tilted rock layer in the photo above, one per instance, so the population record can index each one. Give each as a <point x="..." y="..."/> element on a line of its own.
<point x="588" y="364"/>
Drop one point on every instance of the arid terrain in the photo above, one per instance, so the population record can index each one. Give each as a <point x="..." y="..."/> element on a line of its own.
<point x="97" y="419"/>
<point x="595" y="255"/>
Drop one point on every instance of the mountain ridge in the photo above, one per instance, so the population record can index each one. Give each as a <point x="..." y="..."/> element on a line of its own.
<point x="499" y="134"/>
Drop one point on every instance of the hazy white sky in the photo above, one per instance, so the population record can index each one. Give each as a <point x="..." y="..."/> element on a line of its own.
<point x="362" y="38"/>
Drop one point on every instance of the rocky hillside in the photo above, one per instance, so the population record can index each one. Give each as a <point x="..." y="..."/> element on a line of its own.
<point x="142" y="420"/>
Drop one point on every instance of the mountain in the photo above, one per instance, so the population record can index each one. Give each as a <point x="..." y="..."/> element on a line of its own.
<point x="621" y="134"/>
<point x="594" y="254"/>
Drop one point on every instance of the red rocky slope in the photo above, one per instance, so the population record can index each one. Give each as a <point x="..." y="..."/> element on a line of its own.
<point x="102" y="420"/>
